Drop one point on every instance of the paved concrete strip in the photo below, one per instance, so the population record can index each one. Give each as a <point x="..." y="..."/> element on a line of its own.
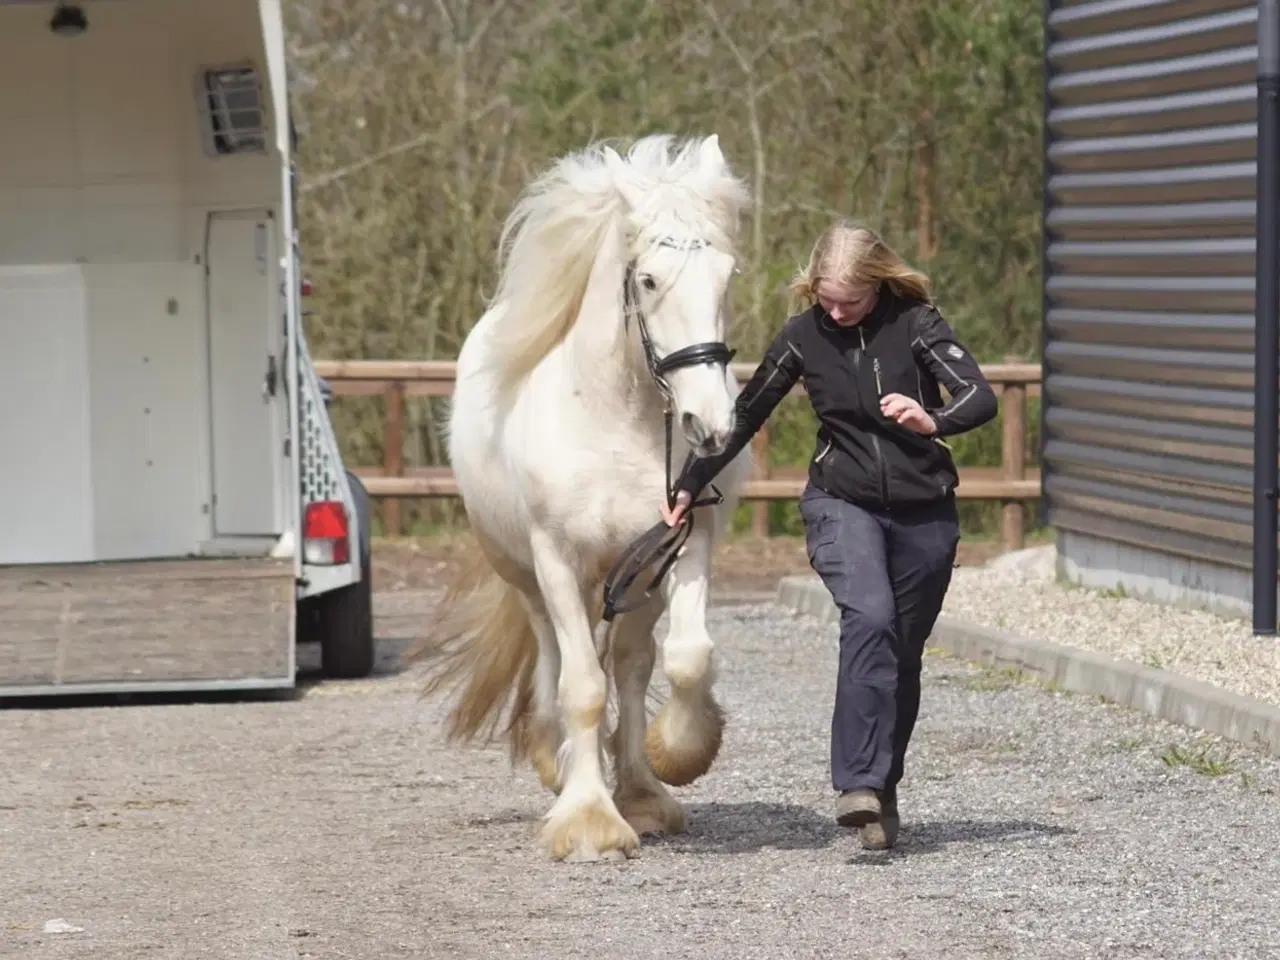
<point x="1159" y="693"/>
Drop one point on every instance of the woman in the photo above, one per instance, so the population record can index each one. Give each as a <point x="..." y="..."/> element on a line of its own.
<point x="881" y="526"/>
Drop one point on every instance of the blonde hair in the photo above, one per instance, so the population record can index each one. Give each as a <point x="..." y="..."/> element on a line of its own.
<point x="851" y="253"/>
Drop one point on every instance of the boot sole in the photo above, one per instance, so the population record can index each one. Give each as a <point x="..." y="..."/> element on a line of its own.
<point x="858" y="818"/>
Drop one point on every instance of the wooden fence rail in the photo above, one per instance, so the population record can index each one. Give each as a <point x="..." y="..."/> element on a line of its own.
<point x="395" y="380"/>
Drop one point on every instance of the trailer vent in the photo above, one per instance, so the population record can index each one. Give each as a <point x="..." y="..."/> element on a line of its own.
<point x="234" y="121"/>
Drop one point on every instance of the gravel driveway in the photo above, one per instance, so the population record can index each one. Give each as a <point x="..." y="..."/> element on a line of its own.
<point x="334" y="825"/>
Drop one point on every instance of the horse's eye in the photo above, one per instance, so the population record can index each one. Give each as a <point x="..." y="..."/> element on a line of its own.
<point x="648" y="282"/>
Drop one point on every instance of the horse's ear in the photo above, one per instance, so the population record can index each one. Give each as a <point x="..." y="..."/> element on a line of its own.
<point x="623" y="181"/>
<point x="710" y="156"/>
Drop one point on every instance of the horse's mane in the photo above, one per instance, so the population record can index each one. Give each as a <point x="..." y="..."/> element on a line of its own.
<point x="559" y="223"/>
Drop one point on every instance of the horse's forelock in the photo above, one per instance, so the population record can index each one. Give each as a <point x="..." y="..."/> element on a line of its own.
<point x="707" y="204"/>
<point x="556" y="229"/>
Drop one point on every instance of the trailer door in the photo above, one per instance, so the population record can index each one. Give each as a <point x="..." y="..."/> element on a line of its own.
<point x="247" y="398"/>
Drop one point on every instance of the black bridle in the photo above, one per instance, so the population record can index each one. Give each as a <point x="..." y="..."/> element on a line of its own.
<point x="660" y="542"/>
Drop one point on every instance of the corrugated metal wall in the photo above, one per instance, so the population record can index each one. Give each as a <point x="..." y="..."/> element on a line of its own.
<point x="1149" y="274"/>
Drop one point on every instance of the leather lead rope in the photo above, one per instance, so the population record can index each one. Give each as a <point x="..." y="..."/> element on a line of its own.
<point x="660" y="542"/>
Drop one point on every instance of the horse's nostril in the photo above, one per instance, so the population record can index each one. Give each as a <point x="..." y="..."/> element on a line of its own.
<point x="693" y="428"/>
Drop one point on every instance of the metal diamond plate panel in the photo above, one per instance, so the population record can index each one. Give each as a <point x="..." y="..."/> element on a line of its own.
<point x="320" y="465"/>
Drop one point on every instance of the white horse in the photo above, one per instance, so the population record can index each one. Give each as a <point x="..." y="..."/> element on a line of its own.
<point x="599" y="364"/>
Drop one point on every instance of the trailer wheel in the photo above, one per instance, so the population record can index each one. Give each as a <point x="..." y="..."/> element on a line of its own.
<point x="344" y="627"/>
<point x="343" y="618"/>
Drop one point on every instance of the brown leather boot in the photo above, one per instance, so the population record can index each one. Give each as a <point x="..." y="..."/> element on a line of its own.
<point x="857" y="808"/>
<point x="883" y="833"/>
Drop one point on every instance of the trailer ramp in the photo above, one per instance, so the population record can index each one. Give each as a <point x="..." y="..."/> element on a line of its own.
<point x="156" y="625"/>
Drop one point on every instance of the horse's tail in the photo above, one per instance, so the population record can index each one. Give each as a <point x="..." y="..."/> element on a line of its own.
<point x="482" y="641"/>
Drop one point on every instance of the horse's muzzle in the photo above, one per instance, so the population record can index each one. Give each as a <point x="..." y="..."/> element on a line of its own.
<point x="705" y="441"/>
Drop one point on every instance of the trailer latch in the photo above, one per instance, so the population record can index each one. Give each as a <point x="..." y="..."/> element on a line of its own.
<point x="269" y="385"/>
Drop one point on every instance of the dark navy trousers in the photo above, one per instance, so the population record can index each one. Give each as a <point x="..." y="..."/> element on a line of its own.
<point x="888" y="572"/>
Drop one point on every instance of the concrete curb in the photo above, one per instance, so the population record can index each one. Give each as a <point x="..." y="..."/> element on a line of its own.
<point x="1158" y="693"/>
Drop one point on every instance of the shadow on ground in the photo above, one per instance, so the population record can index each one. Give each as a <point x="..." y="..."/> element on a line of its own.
<point x="749" y="827"/>
<point x="388" y="661"/>
<point x="935" y="836"/>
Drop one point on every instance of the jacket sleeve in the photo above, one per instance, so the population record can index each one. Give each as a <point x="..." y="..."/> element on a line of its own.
<point x="972" y="402"/>
<point x="773" y="379"/>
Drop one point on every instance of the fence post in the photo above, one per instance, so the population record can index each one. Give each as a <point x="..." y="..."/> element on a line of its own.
<point x="393" y="452"/>
<point x="761" y="470"/>
<point x="1013" y="457"/>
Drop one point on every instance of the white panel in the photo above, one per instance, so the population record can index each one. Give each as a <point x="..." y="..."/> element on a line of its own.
<point x="127" y="97"/>
<point x="148" y="409"/>
<point x="218" y="38"/>
<point x="45" y="486"/>
<point x="102" y="165"/>
<point x="134" y="224"/>
<point x="37" y="101"/>
<point x="101" y="156"/>
<point x="244" y="331"/>
<point x="39" y="224"/>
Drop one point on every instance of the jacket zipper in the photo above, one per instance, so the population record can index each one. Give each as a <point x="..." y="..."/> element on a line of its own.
<point x="875" y="440"/>
<point x="880" y="391"/>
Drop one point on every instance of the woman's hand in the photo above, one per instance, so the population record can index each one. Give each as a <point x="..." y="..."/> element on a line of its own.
<point x="908" y="413"/>
<point x="675" y="516"/>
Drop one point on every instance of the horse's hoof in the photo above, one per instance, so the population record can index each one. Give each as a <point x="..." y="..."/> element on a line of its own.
<point x="651" y="813"/>
<point x="589" y="832"/>
<point x="606" y="856"/>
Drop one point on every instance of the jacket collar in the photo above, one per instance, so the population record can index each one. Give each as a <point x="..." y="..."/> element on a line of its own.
<point x="879" y="313"/>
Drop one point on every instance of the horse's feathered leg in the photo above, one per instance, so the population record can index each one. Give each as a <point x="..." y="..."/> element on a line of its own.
<point x="544" y="732"/>
<point x="684" y="738"/>
<point x="584" y="823"/>
<point x="641" y="798"/>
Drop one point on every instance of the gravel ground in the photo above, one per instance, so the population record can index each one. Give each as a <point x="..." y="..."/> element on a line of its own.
<point x="1018" y="593"/>
<point x="335" y="825"/>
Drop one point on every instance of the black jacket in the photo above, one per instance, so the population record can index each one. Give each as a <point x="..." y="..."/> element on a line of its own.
<point x="903" y="346"/>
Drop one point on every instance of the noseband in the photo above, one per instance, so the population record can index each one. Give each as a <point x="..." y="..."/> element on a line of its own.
<point x="712" y="351"/>
<point x="660" y="539"/>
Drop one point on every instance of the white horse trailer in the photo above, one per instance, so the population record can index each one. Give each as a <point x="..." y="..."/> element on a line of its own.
<point x="174" y="510"/>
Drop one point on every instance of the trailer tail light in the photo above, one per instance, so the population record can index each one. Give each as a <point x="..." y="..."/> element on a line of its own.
<point x="325" y="533"/>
